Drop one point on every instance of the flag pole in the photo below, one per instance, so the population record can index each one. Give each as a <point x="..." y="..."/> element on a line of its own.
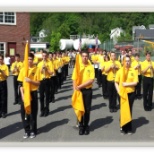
<point x="25" y="112"/>
<point x="26" y="85"/>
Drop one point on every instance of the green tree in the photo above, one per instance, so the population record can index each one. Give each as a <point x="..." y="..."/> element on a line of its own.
<point x="36" y="22"/>
<point x="64" y="30"/>
<point x="125" y="37"/>
<point x="88" y="23"/>
<point x="54" y="42"/>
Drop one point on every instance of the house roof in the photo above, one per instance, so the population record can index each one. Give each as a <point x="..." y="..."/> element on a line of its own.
<point x="137" y="27"/>
<point x="144" y="33"/>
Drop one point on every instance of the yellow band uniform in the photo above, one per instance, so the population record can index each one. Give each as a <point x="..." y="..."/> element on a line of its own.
<point x="5" y="69"/>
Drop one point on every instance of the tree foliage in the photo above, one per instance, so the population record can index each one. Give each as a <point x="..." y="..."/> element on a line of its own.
<point x="66" y="24"/>
<point x="55" y="38"/>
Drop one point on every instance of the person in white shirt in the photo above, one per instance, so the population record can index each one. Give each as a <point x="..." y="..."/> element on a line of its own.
<point x="7" y="61"/>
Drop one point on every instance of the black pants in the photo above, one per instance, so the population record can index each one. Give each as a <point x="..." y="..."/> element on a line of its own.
<point x="96" y="72"/>
<point x="87" y="100"/>
<point x="59" y="80"/>
<point x="99" y="77"/>
<point x="52" y="89"/>
<point x="66" y="69"/>
<point x="30" y="124"/>
<point x="112" y="93"/>
<point x="147" y="93"/>
<point x="8" y="65"/>
<point x="3" y="96"/>
<point x="104" y="86"/>
<point x="138" y="86"/>
<point x="16" y="89"/>
<point x="55" y="83"/>
<point x="128" y="127"/>
<point x="44" y="95"/>
<point x="63" y="73"/>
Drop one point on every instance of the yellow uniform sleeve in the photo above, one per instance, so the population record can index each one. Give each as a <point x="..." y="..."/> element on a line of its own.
<point x="5" y="69"/>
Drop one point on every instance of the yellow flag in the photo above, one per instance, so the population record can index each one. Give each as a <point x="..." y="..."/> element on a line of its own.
<point x="77" y="104"/>
<point x="125" y="115"/>
<point x="26" y="85"/>
<point x="150" y="42"/>
<point x="77" y="100"/>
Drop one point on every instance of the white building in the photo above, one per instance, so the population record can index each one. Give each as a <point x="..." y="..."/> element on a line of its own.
<point x="115" y="33"/>
<point x="42" y="34"/>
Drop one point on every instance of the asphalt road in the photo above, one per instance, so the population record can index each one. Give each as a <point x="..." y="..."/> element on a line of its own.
<point x="58" y="129"/>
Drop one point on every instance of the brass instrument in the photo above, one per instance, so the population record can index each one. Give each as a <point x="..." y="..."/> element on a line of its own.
<point x="44" y="68"/>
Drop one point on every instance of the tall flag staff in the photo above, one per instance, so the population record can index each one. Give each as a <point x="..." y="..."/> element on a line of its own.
<point x="96" y="43"/>
<point x="77" y="100"/>
<point x="80" y="44"/>
<point x="26" y="85"/>
<point x="77" y="95"/>
<point x="125" y="115"/>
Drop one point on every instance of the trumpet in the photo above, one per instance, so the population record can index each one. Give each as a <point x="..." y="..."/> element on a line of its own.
<point x="44" y="67"/>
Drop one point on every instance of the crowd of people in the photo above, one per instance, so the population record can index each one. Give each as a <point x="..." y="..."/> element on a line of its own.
<point x="45" y="75"/>
<point x="125" y="75"/>
<point x="123" y="79"/>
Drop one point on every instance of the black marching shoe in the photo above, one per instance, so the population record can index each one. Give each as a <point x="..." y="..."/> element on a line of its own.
<point x="81" y="131"/>
<point x="139" y="97"/>
<point x="86" y="132"/>
<point x="53" y="100"/>
<point x="115" y="110"/>
<point x="105" y="97"/>
<point x="111" y="110"/>
<point x="46" y="113"/>
<point x="15" y="103"/>
<point x="4" y="115"/>
<point x="42" y="114"/>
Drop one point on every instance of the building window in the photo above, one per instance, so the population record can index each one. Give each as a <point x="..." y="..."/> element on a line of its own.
<point x="7" y="18"/>
<point x="2" y="48"/>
